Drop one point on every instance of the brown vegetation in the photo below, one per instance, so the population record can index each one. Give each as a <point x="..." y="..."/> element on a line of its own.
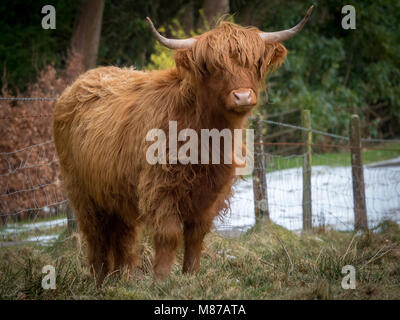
<point x="28" y="177"/>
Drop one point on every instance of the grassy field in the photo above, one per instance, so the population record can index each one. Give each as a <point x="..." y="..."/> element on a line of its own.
<point x="385" y="152"/>
<point x="268" y="262"/>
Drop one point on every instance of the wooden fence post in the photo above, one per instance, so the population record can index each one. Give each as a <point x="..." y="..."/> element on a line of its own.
<point x="307" y="140"/>
<point x="71" y="220"/>
<point x="360" y="208"/>
<point x="259" y="178"/>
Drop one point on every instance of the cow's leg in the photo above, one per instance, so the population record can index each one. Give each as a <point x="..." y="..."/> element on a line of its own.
<point x="99" y="256"/>
<point x="194" y="233"/>
<point x="93" y="227"/>
<point x="124" y="239"/>
<point x="166" y="239"/>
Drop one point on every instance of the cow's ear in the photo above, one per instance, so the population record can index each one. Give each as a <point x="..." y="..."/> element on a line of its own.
<point x="184" y="61"/>
<point x="275" y="54"/>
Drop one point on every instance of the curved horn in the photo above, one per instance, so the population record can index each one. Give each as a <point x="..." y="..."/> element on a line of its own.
<point x="171" y="43"/>
<point x="280" y="36"/>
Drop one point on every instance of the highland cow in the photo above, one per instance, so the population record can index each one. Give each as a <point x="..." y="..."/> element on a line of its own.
<point x="100" y="125"/>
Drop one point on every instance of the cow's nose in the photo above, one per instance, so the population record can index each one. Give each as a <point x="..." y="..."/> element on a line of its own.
<point x="243" y="98"/>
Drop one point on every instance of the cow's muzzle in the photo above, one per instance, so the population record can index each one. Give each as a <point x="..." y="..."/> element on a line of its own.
<point x="241" y="99"/>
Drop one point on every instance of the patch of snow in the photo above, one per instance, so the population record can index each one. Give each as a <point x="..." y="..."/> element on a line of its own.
<point x="18" y="228"/>
<point x="43" y="239"/>
<point x="332" y="198"/>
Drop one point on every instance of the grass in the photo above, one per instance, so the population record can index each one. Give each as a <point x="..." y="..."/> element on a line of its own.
<point x="268" y="262"/>
<point x="389" y="151"/>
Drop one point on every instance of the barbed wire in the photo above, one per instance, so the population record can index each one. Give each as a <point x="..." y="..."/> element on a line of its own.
<point x="29" y="185"/>
<point x="287" y="125"/>
<point x="29" y="147"/>
<point x="323" y="145"/>
<point x="332" y="135"/>
<point x="28" y="98"/>
<point x="28" y="116"/>
<point x="284" y="183"/>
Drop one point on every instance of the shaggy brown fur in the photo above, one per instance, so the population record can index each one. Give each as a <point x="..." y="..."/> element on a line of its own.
<point x="100" y="126"/>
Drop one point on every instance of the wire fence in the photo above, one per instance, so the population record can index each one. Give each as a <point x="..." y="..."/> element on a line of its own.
<point x="33" y="207"/>
<point x="331" y="190"/>
<point x="31" y="201"/>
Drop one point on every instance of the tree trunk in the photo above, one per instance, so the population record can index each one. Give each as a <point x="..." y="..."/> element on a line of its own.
<point x="213" y="9"/>
<point x="186" y="17"/>
<point x="85" y="40"/>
